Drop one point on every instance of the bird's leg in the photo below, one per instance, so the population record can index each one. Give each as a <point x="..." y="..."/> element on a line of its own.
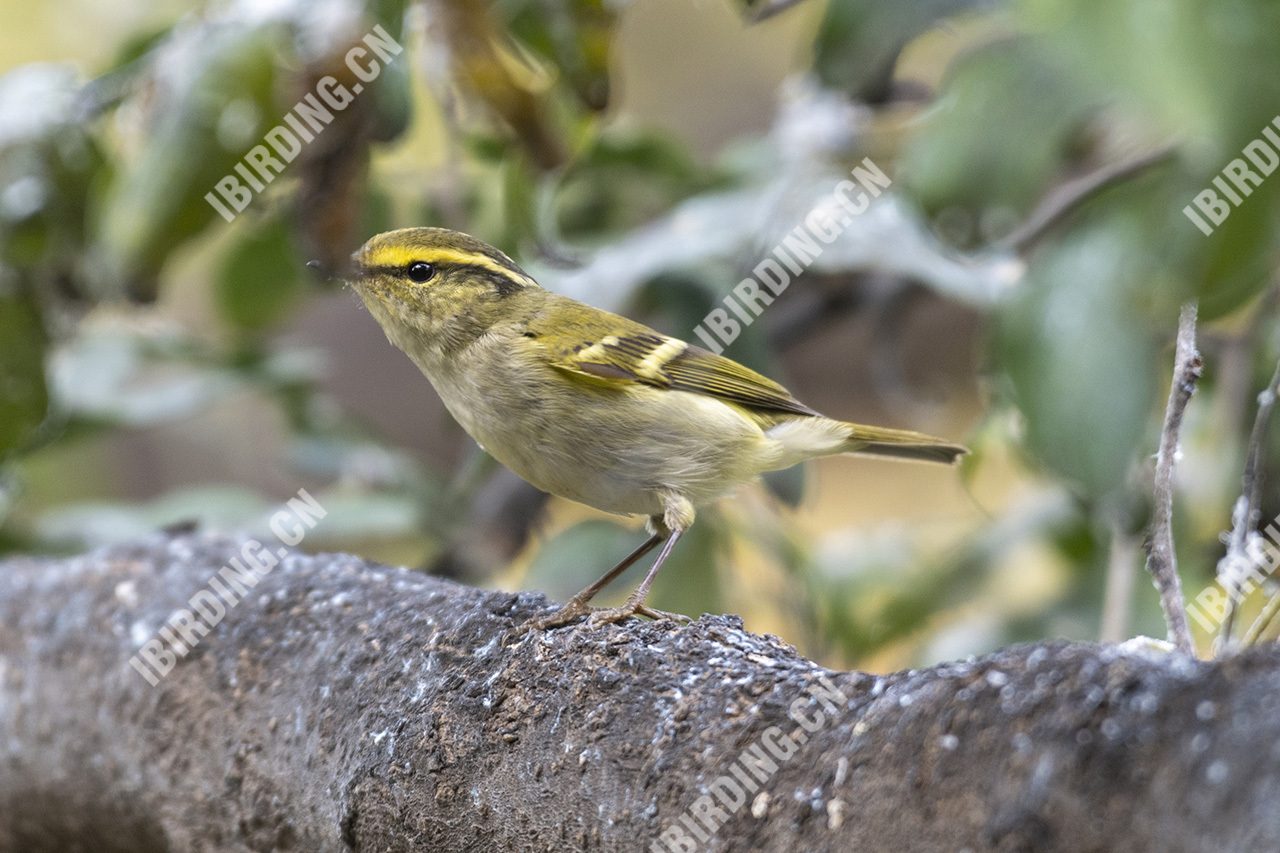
<point x="677" y="517"/>
<point x="635" y="602"/>
<point x="577" y="606"/>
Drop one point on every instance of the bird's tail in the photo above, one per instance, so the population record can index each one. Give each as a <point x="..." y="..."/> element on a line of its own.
<point x="900" y="444"/>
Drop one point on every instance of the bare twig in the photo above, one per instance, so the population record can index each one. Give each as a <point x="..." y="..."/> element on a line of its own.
<point x="1245" y="517"/>
<point x="1233" y="365"/>
<point x="1067" y="198"/>
<point x="1162" y="562"/>
<point x="1263" y="622"/>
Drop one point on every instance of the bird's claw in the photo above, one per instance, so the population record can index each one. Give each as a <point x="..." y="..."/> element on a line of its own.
<point x="598" y="617"/>
<point x="563" y="616"/>
<point x="601" y="616"/>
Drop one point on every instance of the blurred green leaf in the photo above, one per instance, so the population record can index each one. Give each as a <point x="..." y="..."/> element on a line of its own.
<point x="577" y="557"/>
<point x="350" y="515"/>
<point x="1000" y="134"/>
<point x="1080" y="356"/>
<point x="691" y="581"/>
<point x="260" y="280"/>
<point x="519" y="207"/>
<point x="1238" y="259"/>
<point x="858" y="42"/>
<point x="366" y="515"/>
<point x="575" y="37"/>
<point x="787" y="485"/>
<point x="1206" y="73"/>
<point x="215" y="102"/>
<point x="1207" y="76"/>
<point x="97" y="523"/>
<point x="136" y="46"/>
<point x="49" y="166"/>
<point x="24" y="397"/>
<point x="872" y="592"/>
<point x="389" y="13"/>
<point x="393" y="101"/>
<point x="114" y="374"/>
<point x="624" y="179"/>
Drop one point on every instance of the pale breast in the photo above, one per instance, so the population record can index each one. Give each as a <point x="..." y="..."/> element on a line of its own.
<point x="617" y="449"/>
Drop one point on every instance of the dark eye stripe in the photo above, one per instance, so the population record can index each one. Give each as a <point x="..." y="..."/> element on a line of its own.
<point x="504" y="285"/>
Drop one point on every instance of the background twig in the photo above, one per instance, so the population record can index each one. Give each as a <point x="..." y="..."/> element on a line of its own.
<point x="1161" y="560"/>
<point x="1122" y="568"/>
<point x="1070" y="196"/>
<point x="1263" y="622"/>
<point x="1245" y="517"/>
<point x="768" y="9"/>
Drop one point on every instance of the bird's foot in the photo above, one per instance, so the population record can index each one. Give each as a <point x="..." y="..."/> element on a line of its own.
<point x="572" y="610"/>
<point x="601" y="616"/>
<point x="598" y="617"/>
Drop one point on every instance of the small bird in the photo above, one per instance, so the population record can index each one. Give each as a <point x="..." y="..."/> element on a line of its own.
<point x="589" y="405"/>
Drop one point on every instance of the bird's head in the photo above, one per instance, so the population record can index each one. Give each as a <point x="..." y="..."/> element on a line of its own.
<point x="435" y="287"/>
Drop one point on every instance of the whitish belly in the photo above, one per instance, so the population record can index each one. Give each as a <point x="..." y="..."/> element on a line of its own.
<point x="618" y="451"/>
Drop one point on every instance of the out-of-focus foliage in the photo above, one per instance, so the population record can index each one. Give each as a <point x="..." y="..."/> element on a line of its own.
<point x="1074" y="334"/>
<point x="856" y="48"/>
<point x="26" y="397"/>
<point x="129" y="308"/>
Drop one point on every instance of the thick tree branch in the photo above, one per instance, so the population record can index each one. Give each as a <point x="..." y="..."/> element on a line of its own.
<point x="1162" y="561"/>
<point x="345" y="706"/>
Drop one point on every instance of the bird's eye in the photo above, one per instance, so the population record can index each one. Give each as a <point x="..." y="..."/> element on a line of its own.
<point x="420" y="271"/>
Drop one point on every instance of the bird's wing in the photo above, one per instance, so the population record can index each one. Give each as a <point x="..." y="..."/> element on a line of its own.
<point x="617" y="351"/>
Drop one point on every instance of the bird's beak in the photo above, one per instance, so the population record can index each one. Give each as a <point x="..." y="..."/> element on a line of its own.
<point x="320" y="269"/>
<point x="348" y="272"/>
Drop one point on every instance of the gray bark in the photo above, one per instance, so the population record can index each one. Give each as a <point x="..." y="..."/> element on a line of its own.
<point x="344" y="705"/>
